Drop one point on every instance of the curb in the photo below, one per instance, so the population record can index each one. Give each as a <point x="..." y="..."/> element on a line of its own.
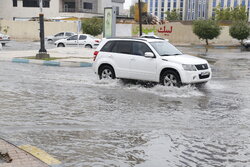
<point x="51" y="63"/>
<point x="209" y="47"/>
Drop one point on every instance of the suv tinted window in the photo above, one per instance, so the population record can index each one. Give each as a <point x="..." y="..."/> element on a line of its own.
<point x="124" y="47"/>
<point x="140" y="48"/>
<point x="108" y="46"/>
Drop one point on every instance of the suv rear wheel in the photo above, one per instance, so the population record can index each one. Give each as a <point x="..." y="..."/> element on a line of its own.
<point x="170" y="78"/>
<point x="107" y="72"/>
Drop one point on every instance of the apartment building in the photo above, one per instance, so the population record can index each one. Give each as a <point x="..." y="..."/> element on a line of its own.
<point x="192" y="9"/>
<point x="189" y="9"/>
<point x="227" y="4"/>
<point x="21" y="9"/>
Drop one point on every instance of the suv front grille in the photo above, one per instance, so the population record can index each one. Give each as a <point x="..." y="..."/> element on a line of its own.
<point x="201" y="66"/>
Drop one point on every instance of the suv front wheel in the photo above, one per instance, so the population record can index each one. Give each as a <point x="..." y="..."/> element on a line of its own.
<point x="107" y="72"/>
<point x="170" y="78"/>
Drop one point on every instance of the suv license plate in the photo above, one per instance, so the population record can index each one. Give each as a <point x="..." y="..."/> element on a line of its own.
<point x="205" y="73"/>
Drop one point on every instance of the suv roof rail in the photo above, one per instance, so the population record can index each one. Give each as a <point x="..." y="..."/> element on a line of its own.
<point x="152" y="37"/>
<point x="137" y="38"/>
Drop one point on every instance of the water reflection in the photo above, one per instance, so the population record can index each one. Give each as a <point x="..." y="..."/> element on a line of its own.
<point x="86" y="122"/>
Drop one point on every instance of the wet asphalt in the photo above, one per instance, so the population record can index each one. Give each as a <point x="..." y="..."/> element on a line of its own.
<point x="82" y="121"/>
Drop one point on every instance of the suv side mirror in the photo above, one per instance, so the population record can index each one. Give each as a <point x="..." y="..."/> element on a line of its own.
<point x="149" y="55"/>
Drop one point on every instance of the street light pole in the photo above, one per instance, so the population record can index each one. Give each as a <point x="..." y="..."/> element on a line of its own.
<point x="42" y="52"/>
<point x="140" y="19"/>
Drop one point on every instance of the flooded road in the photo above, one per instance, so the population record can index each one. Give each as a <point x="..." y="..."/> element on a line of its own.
<point x="82" y="121"/>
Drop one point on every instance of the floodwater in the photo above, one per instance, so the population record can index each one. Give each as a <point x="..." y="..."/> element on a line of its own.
<point x="82" y="121"/>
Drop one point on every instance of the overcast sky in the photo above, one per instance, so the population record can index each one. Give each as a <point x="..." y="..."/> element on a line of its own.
<point x="127" y="4"/>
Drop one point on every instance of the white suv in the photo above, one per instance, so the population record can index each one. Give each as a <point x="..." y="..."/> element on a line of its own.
<point x="148" y="60"/>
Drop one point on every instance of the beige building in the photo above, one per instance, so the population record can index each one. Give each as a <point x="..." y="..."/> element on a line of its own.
<point x="22" y="9"/>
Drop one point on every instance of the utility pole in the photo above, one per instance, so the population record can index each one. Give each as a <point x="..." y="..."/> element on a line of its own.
<point x="140" y="19"/>
<point x="42" y="52"/>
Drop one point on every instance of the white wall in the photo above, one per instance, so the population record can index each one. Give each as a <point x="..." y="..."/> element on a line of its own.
<point x="29" y="30"/>
<point x="124" y="30"/>
<point x="8" y="12"/>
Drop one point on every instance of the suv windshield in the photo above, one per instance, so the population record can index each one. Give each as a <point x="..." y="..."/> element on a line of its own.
<point x="164" y="48"/>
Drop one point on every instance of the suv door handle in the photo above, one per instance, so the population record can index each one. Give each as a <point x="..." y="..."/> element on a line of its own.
<point x="132" y="59"/>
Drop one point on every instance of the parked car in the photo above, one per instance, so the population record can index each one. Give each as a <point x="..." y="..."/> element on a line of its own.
<point x="246" y="43"/>
<point x="85" y="40"/>
<point x="148" y="59"/>
<point x="4" y="39"/>
<point x="58" y="36"/>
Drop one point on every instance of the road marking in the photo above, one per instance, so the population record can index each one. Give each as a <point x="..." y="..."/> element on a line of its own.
<point x="40" y="154"/>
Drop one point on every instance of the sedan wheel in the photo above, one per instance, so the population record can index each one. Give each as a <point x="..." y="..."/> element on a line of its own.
<point x="60" y="45"/>
<point x="88" y="46"/>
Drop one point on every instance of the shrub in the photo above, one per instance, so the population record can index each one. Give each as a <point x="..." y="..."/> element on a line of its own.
<point x="240" y="30"/>
<point x="206" y="29"/>
<point x="92" y="26"/>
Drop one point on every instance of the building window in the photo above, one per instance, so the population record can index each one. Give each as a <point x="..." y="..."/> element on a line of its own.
<point x="228" y="3"/>
<point x="162" y="9"/>
<point x="46" y="3"/>
<point x="117" y="10"/>
<point x="87" y="5"/>
<point x="14" y="3"/>
<point x="214" y="3"/>
<point x="151" y="6"/>
<point x="235" y="3"/>
<point x="169" y="3"/>
<point x="35" y="3"/>
<point x="181" y="4"/>
<point x="243" y="3"/>
<point x="156" y="7"/>
<point x="222" y="3"/>
<point x="69" y="7"/>
<point x="174" y="4"/>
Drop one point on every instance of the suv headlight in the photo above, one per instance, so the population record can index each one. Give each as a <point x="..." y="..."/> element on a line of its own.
<point x="189" y="67"/>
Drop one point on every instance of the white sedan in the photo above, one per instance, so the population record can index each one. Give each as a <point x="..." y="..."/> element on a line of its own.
<point x="4" y="39"/>
<point x="84" y="40"/>
<point x="246" y="43"/>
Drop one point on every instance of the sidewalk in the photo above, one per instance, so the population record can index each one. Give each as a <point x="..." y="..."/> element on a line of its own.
<point x="66" y="57"/>
<point x="15" y="157"/>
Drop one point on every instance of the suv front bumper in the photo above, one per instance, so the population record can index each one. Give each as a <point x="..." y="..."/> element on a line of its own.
<point x="189" y="77"/>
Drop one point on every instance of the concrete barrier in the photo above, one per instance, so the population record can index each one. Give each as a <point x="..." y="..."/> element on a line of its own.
<point x="29" y="30"/>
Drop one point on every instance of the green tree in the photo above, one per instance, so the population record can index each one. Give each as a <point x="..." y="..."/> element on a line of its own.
<point x="206" y="29"/>
<point x="173" y="15"/>
<point x="132" y="11"/>
<point x="231" y="14"/>
<point x="240" y="30"/>
<point x="92" y="26"/>
<point x="223" y="14"/>
<point x="239" y="13"/>
<point x="146" y="18"/>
